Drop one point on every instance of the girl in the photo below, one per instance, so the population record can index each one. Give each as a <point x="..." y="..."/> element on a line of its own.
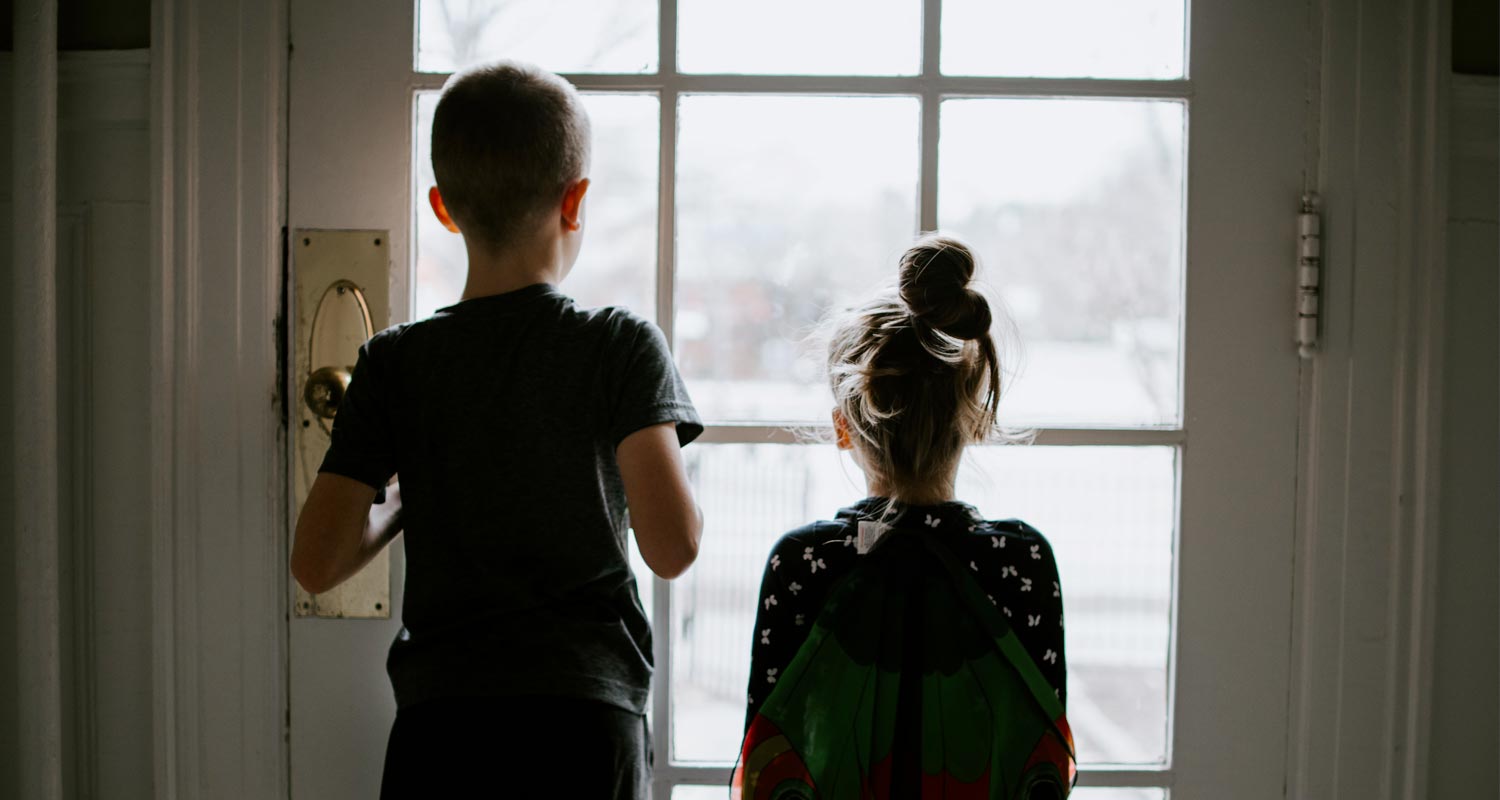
<point x="908" y="625"/>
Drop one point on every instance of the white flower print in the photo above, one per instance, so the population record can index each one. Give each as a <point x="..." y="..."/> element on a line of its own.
<point x="972" y="527"/>
<point x="818" y="564"/>
<point x="799" y="620"/>
<point x="1036" y="551"/>
<point x="1025" y="584"/>
<point x="794" y="587"/>
<point x="770" y="601"/>
<point x="1056" y="590"/>
<point x="849" y="540"/>
<point x="973" y="566"/>
<point x="775" y="561"/>
<point x="932" y="522"/>
<point x="1033" y="620"/>
<point x="992" y="599"/>
<point x="765" y="635"/>
<point x="997" y="541"/>
<point x="1006" y="609"/>
<point x="1008" y="571"/>
<point x="771" y="675"/>
<point x="807" y="554"/>
<point x="1050" y="657"/>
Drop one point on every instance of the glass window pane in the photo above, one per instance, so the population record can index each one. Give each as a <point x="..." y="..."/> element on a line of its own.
<point x="750" y="495"/>
<point x="1076" y="208"/>
<point x="1110" y="515"/>
<point x="1108" y="512"/>
<point x="1064" y="38"/>
<point x="699" y="793"/>
<point x="617" y="265"/>
<point x="560" y="35"/>
<point x="785" y="206"/>
<point x="794" y="37"/>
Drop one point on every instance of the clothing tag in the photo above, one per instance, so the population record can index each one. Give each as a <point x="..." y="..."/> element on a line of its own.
<point x="869" y="534"/>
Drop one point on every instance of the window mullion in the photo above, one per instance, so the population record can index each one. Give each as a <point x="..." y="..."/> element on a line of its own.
<point x="666" y="270"/>
<point x="951" y="85"/>
<point x="807" y="433"/>
<point x="666" y="211"/>
<point x="666" y="236"/>
<point x="932" y="36"/>
<point x="927" y="188"/>
<point x="661" y="605"/>
<point x="712" y="774"/>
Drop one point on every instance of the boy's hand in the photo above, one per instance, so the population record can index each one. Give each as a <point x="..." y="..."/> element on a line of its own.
<point x="666" y="520"/>
<point x="340" y="530"/>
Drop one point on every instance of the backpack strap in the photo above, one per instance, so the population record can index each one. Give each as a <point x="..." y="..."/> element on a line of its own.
<point x="1002" y="633"/>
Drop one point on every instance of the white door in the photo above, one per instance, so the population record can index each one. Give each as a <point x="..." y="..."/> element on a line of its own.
<point x="1129" y="173"/>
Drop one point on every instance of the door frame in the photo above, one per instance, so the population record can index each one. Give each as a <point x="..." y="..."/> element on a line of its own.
<point x="1371" y="403"/>
<point x="220" y="591"/>
<point x="219" y="558"/>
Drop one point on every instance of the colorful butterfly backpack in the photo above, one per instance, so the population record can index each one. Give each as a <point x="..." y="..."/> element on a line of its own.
<point x="911" y="685"/>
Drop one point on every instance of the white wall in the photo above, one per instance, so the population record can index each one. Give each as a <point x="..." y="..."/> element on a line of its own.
<point x="1465" y="738"/>
<point x="103" y="255"/>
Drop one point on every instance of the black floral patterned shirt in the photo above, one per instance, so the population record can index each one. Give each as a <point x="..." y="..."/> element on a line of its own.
<point x="1011" y="562"/>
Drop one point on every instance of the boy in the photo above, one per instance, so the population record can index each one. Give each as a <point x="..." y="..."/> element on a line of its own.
<point x="522" y="429"/>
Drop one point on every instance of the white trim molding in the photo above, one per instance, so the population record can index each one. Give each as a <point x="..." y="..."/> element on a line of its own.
<point x="218" y="560"/>
<point x="1367" y="484"/>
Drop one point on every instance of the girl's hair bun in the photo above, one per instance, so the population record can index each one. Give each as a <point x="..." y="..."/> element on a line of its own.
<point x="934" y="284"/>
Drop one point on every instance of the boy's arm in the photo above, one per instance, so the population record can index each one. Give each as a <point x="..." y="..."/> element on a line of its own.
<point x="340" y="529"/>
<point x="665" y="517"/>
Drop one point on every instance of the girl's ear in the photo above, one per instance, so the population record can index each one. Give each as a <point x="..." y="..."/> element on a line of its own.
<point x="436" y="199"/>
<point x="841" y="431"/>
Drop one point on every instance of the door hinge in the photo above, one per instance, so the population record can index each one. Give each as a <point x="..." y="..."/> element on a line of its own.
<point x="1309" y="273"/>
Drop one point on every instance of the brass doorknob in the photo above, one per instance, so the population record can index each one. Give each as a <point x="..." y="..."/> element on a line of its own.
<point x="325" y="391"/>
<point x="324" y="388"/>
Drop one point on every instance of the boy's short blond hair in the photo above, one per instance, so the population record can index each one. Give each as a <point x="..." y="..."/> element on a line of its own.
<point x="507" y="138"/>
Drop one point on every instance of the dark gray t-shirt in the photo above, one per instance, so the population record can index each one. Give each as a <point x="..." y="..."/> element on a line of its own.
<point x="501" y="415"/>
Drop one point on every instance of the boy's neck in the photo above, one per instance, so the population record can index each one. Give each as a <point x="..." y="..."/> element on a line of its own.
<point x="527" y="263"/>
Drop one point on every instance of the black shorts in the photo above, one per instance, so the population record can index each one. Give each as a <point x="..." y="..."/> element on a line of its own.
<point x="520" y="747"/>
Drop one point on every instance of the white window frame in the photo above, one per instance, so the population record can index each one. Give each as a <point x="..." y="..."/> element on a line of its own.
<point x="930" y="87"/>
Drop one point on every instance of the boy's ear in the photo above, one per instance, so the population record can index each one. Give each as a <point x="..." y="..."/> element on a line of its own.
<point x="436" y="199"/>
<point x="572" y="205"/>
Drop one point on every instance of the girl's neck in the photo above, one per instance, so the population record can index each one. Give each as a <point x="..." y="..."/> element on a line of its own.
<point x="937" y="494"/>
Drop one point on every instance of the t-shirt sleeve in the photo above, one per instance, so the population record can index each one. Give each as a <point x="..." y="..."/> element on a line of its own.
<point x="651" y="391"/>
<point x="361" y="446"/>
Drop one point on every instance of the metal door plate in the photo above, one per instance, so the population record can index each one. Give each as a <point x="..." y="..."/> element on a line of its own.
<point x="320" y="259"/>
